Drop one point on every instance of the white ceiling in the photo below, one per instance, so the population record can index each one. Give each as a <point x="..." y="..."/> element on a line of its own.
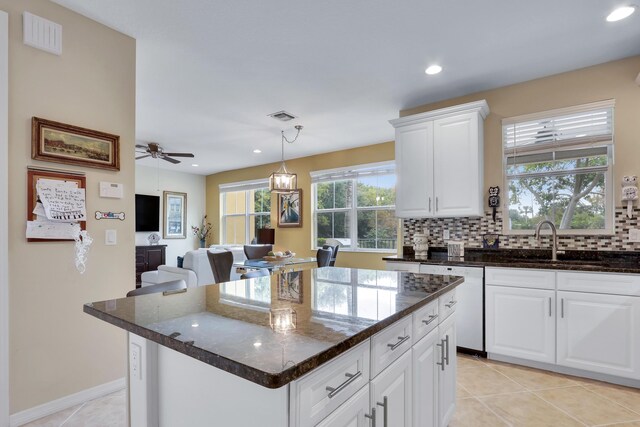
<point x="209" y="72"/>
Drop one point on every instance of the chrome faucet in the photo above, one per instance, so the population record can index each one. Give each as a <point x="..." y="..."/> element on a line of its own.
<point x="554" y="236"/>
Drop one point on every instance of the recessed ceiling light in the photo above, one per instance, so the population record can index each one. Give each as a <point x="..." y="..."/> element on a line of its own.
<point x="257" y="344"/>
<point x="194" y="325"/>
<point x="257" y="151"/>
<point x="621" y="13"/>
<point x="433" y="69"/>
<point x="195" y="165"/>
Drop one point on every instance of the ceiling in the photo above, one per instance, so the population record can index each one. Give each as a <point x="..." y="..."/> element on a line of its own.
<point x="209" y="72"/>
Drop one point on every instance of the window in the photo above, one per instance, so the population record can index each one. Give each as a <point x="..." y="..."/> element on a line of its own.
<point x="558" y="167"/>
<point x="356" y="206"/>
<point x="245" y="207"/>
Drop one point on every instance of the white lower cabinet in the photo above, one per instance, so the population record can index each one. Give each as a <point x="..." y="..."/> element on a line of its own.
<point x="599" y="333"/>
<point x="448" y="370"/>
<point x="520" y="322"/>
<point x="355" y="412"/>
<point x="391" y="394"/>
<point x="426" y="355"/>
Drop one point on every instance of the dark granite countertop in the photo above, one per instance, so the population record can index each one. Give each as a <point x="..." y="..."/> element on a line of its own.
<point x="594" y="261"/>
<point x="234" y="326"/>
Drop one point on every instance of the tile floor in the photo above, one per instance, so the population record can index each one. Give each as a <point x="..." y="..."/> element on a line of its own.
<point x="491" y="394"/>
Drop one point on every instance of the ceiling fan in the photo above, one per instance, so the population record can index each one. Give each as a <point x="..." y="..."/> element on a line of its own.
<point x="155" y="151"/>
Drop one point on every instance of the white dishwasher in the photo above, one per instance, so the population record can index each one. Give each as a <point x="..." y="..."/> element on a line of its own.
<point x="470" y="300"/>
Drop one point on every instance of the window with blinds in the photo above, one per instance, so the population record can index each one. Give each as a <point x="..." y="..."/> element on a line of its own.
<point x="356" y="207"/>
<point x="558" y="167"/>
<point x="245" y="207"/>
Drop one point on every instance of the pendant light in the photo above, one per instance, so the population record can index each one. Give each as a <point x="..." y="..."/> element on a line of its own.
<point x="283" y="181"/>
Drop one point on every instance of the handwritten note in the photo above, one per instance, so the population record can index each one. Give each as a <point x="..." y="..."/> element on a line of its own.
<point x="62" y="201"/>
<point x="51" y="230"/>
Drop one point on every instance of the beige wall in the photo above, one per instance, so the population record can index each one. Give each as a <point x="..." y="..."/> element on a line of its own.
<point x="298" y="240"/>
<point x="56" y="349"/>
<point x="613" y="80"/>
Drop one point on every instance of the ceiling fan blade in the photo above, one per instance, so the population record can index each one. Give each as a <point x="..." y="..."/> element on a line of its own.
<point x="170" y="160"/>
<point x="179" y="154"/>
<point x="142" y="157"/>
<point x="144" y="147"/>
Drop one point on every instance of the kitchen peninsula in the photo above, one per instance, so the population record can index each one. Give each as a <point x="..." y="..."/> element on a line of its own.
<point x="327" y="346"/>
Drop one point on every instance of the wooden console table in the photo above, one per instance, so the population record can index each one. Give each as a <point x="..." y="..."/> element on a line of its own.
<point x="148" y="258"/>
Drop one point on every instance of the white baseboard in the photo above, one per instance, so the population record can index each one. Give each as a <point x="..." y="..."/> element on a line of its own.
<point x="58" y="405"/>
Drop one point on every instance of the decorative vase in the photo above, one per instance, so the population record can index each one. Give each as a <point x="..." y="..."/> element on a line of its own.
<point x="203" y="243"/>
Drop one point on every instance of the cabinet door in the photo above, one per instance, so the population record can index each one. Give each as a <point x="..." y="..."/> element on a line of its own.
<point x="457" y="166"/>
<point x="599" y="333"/>
<point x="391" y="394"/>
<point x="425" y="380"/>
<point x="447" y="370"/>
<point x="520" y="322"/>
<point x="351" y="413"/>
<point x="414" y="171"/>
<point x="155" y="258"/>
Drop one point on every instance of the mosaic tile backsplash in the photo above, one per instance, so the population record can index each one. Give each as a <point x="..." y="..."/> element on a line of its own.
<point x="471" y="230"/>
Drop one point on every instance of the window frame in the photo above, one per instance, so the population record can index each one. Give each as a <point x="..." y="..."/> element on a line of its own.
<point x="247" y="187"/>
<point x="609" y="203"/>
<point x="350" y="174"/>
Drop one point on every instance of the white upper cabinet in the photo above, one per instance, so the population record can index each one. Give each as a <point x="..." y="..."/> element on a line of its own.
<point x="439" y="162"/>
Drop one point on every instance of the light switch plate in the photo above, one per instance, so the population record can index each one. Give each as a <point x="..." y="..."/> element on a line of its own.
<point x="110" y="237"/>
<point x="445" y="235"/>
<point x="136" y="362"/>
<point x="634" y="235"/>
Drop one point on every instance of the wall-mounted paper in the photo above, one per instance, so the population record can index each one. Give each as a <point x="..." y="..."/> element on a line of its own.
<point x="51" y="230"/>
<point x="62" y="201"/>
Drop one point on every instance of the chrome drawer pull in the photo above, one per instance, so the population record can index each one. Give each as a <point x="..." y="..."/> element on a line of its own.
<point x="451" y="304"/>
<point x="431" y="319"/>
<point x="399" y="343"/>
<point x="350" y="378"/>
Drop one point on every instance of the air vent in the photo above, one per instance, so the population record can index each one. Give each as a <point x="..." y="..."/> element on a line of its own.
<point x="42" y="33"/>
<point x="283" y="116"/>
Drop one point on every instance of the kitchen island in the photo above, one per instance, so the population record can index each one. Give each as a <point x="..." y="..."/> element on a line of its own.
<point x="326" y="346"/>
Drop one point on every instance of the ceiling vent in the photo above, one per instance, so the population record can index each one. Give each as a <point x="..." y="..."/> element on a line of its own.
<point x="283" y="116"/>
<point x="42" y="33"/>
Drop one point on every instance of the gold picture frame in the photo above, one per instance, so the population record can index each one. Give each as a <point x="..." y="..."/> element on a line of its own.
<point x="72" y="145"/>
<point x="174" y="215"/>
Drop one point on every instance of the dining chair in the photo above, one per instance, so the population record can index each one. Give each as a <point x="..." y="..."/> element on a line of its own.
<point x="221" y="265"/>
<point x="173" y="285"/>
<point x="324" y="257"/>
<point x="257" y="251"/>
<point x="261" y="272"/>
<point x="334" y="253"/>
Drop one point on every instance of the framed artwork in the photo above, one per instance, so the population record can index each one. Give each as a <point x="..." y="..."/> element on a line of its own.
<point x="33" y="175"/>
<point x="175" y="215"/>
<point x="290" y="209"/>
<point x="290" y="287"/>
<point x="61" y="143"/>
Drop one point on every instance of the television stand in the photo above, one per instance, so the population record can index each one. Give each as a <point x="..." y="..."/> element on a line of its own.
<point x="148" y="258"/>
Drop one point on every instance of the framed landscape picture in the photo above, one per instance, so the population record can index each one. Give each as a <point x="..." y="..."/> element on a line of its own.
<point x="290" y="209"/>
<point x="61" y="143"/>
<point x="175" y="215"/>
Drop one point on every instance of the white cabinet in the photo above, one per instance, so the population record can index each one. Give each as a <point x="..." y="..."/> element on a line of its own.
<point x="520" y="322"/>
<point x="599" y="333"/>
<point x="355" y="412"/>
<point x="391" y="394"/>
<point x="425" y="380"/>
<point x="447" y="372"/>
<point x="439" y="162"/>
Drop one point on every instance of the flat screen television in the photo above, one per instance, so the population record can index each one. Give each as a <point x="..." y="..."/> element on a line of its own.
<point x="147" y="213"/>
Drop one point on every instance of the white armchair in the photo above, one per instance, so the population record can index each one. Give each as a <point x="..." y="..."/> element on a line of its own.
<point x="195" y="271"/>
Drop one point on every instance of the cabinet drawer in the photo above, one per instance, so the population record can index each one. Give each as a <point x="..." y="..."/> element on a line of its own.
<point x="320" y="392"/>
<point x="388" y="344"/>
<point x="411" y="267"/>
<point x="604" y="283"/>
<point x="425" y="320"/>
<point x="447" y="304"/>
<point x="520" y="278"/>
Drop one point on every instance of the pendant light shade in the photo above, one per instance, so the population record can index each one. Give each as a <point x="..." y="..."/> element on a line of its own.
<point x="283" y="181"/>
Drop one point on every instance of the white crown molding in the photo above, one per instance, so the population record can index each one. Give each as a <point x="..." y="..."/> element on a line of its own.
<point x="66" y="402"/>
<point x="480" y="107"/>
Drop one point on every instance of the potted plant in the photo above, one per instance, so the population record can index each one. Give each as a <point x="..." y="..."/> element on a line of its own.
<point x="202" y="231"/>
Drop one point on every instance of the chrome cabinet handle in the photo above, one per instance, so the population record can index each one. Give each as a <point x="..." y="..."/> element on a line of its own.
<point x="399" y="343"/>
<point x="436" y="204"/>
<point x="429" y="204"/>
<point x="384" y="404"/>
<point x="549" y="306"/>
<point x="451" y="303"/>
<point x="431" y="319"/>
<point x="441" y="363"/>
<point x="372" y="417"/>
<point x="562" y="308"/>
<point x="446" y="340"/>
<point x="350" y="378"/>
